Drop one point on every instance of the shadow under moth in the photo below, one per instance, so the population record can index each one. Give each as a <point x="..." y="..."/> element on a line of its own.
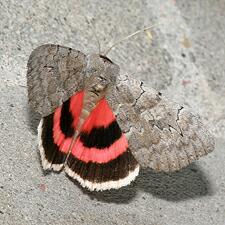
<point x="100" y="127"/>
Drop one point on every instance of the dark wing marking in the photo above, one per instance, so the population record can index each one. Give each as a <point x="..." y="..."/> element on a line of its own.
<point x="51" y="155"/>
<point x="101" y="137"/>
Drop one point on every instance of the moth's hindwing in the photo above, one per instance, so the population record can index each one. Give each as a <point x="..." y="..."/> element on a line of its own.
<point x="56" y="132"/>
<point x="100" y="159"/>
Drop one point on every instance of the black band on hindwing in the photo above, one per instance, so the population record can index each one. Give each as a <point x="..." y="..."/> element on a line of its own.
<point x="101" y="137"/>
<point x="52" y="153"/>
<point x="102" y="172"/>
<point x="66" y="120"/>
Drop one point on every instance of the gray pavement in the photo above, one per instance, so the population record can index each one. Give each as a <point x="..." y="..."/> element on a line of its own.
<point x="183" y="58"/>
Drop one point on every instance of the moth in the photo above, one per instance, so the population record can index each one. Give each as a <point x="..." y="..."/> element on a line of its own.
<point x="100" y="127"/>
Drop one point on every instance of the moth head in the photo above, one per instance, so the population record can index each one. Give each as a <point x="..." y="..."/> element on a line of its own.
<point x="100" y="73"/>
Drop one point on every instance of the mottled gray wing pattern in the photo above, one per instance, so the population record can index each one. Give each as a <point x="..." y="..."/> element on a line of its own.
<point x="162" y="134"/>
<point x="54" y="74"/>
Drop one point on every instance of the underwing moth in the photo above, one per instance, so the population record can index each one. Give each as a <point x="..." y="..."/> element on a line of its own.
<point x="100" y="127"/>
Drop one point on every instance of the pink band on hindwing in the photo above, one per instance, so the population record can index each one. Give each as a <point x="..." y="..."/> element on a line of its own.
<point x="100" y="155"/>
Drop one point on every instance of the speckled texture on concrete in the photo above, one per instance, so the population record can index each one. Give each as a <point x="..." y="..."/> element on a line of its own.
<point x="184" y="59"/>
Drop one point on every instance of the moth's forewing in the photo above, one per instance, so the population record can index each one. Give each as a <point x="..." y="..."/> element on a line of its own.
<point x="54" y="74"/>
<point x="162" y="134"/>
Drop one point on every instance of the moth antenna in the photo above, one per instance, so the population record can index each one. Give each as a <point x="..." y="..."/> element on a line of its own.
<point x="94" y="32"/>
<point x="127" y="37"/>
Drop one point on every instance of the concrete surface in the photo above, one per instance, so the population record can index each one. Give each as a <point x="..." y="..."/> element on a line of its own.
<point x="184" y="59"/>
